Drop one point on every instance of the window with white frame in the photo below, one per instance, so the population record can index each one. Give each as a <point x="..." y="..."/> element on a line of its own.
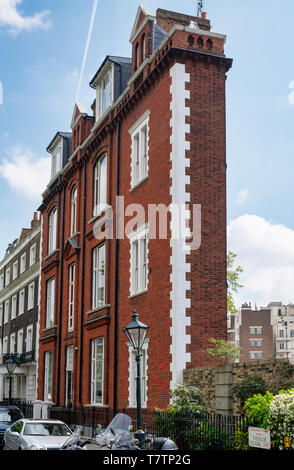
<point x="7" y="277"/>
<point x="6" y="311"/>
<point x="69" y="375"/>
<point x="133" y="376"/>
<point x="21" y="302"/>
<point x="50" y="305"/>
<point x="5" y="345"/>
<point x="97" y="370"/>
<point x="73" y="222"/>
<point x="139" y="135"/>
<point x="12" y="343"/>
<point x="104" y="91"/>
<point x="98" y="277"/>
<point x="29" y="338"/>
<point x="20" y="341"/>
<point x="1" y="314"/>
<point x="100" y="185"/>
<point x="13" y="306"/>
<point x="23" y="261"/>
<point x="31" y="295"/>
<point x="48" y="360"/>
<point x="52" y="234"/>
<point x="33" y="253"/>
<point x="2" y="282"/>
<point x="139" y="260"/>
<point x="15" y="270"/>
<point x="71" y="297"/>
<point x="56" y="159"/>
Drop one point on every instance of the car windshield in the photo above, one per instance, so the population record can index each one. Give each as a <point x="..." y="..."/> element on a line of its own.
<point x="7" y="416"/>
<point x="46" y="429"/>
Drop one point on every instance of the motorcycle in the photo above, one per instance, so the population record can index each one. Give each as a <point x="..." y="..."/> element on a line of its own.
<point x="119" y="435"/>
<point x="74" y="442"/>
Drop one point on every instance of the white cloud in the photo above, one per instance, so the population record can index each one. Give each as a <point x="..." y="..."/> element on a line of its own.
<point x="242" y="196"/>
<point x="266" y="252"/>
<point x="26" y="173"/>
<point x="16" y="22"/>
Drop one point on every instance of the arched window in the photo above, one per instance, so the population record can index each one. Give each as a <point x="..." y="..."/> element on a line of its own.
<point x="100" y="185"/>
<point x="52" y="232"/>
<point x="143" y="47"/>
<point x="73" y="224"/>
<point x="137" y="56"/>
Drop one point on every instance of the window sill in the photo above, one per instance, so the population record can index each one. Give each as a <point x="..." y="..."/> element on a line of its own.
<point x="51" y="254"/>
<point x="97" y="216"/>
<point x="96" y="405"/>
<point x="138" y="293"/>
<point x="138" y="184"/>
<point x="98" y="309"/>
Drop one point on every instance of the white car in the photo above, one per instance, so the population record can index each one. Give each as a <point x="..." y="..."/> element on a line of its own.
<point x="36" y="434"/>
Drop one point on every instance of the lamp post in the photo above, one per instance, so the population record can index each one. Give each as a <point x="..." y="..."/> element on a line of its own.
<point x="11" y="365"/>
<point x="136" y="332"/>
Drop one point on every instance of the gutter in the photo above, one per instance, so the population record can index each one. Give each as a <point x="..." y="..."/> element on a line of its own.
<point x="82" y="289"/>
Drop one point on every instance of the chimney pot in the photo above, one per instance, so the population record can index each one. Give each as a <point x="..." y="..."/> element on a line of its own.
<point x="204" y="15"/>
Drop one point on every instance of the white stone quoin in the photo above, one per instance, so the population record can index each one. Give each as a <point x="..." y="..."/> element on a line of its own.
<point x="179" y="247"/>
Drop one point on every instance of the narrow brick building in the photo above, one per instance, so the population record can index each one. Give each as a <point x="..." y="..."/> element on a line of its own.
<point x="156" y="140"/>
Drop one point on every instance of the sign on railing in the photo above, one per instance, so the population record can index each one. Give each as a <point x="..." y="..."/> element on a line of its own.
<point x="260" y="438"/>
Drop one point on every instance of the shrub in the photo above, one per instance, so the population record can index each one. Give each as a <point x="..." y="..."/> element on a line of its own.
<point x="257" y="409"/>
<point x="248" y="387"/>
<point x="281" y="418"/>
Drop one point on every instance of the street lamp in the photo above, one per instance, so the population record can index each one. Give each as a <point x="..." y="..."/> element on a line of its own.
<point x="11" y="365"/>
<point x="136" y="332"/>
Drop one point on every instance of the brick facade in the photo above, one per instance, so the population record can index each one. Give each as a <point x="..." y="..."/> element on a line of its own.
<point x="203" y="167"/>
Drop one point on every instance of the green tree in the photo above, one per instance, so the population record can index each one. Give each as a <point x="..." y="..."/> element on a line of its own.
<point x="233" y="276"/>
<point x="223" y="350"/>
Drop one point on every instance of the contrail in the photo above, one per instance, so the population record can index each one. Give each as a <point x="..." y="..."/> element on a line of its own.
<point x="95" y="5"/>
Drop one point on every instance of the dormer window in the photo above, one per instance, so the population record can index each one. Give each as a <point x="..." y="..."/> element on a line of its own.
<point x="104" y="92"/>
<point x="56" y="162"/>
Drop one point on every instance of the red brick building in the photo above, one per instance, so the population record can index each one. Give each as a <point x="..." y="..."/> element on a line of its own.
<point x="157" y="137"/>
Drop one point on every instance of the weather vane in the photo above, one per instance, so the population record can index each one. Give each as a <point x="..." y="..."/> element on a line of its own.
<point x="200" y="7"/>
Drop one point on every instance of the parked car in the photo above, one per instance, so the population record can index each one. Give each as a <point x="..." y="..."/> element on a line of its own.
<point x="36" y="434"/>
<point x="8" y="416"/>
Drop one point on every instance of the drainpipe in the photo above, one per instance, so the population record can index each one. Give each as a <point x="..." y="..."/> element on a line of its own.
<point x="82" y="289"/>
<point x="116" y="323"/>
<point x="60" y="300"/>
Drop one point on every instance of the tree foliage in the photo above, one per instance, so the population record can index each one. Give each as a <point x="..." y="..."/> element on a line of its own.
<point x="223" y="350"/>
<point x="233" y="276"/>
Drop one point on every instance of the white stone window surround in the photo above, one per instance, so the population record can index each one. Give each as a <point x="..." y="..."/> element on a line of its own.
<point x="103" y="102"/>
<point x="21" y="302"/>
<point x="100" y="185"/>
<point x="31" y="295"/>
<point x="133" y="374"/>
<point x="12" y="343"/>
<point x="1" y="282"/>
<point x="13" y="307"/>
<point x="5" y="345"/>
<point x="33" y="254"/>
<point x="96" y="344"/>
<point x="20" y="341"/>
<point x="6" y="311"/>
<point x="23" y="261"/>
<point x="29" y="338"/>
<point x="56" y="157"/>
<point x="179" y="249"/>
<point x="140" y="150"/>
<point x="71" y="296"/>
<point x="73" y="210"/>
<point x="50" y="302"/>
<point x="7" y="277"/>
<point x="143" y="261"/>
<point x="15" y="270"/>
<point x="52" y="232"/>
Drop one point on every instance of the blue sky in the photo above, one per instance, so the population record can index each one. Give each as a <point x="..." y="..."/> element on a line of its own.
<point x="41" y="52"/>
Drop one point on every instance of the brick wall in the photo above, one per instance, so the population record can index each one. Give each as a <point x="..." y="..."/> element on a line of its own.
<point x="272" y="371"/>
